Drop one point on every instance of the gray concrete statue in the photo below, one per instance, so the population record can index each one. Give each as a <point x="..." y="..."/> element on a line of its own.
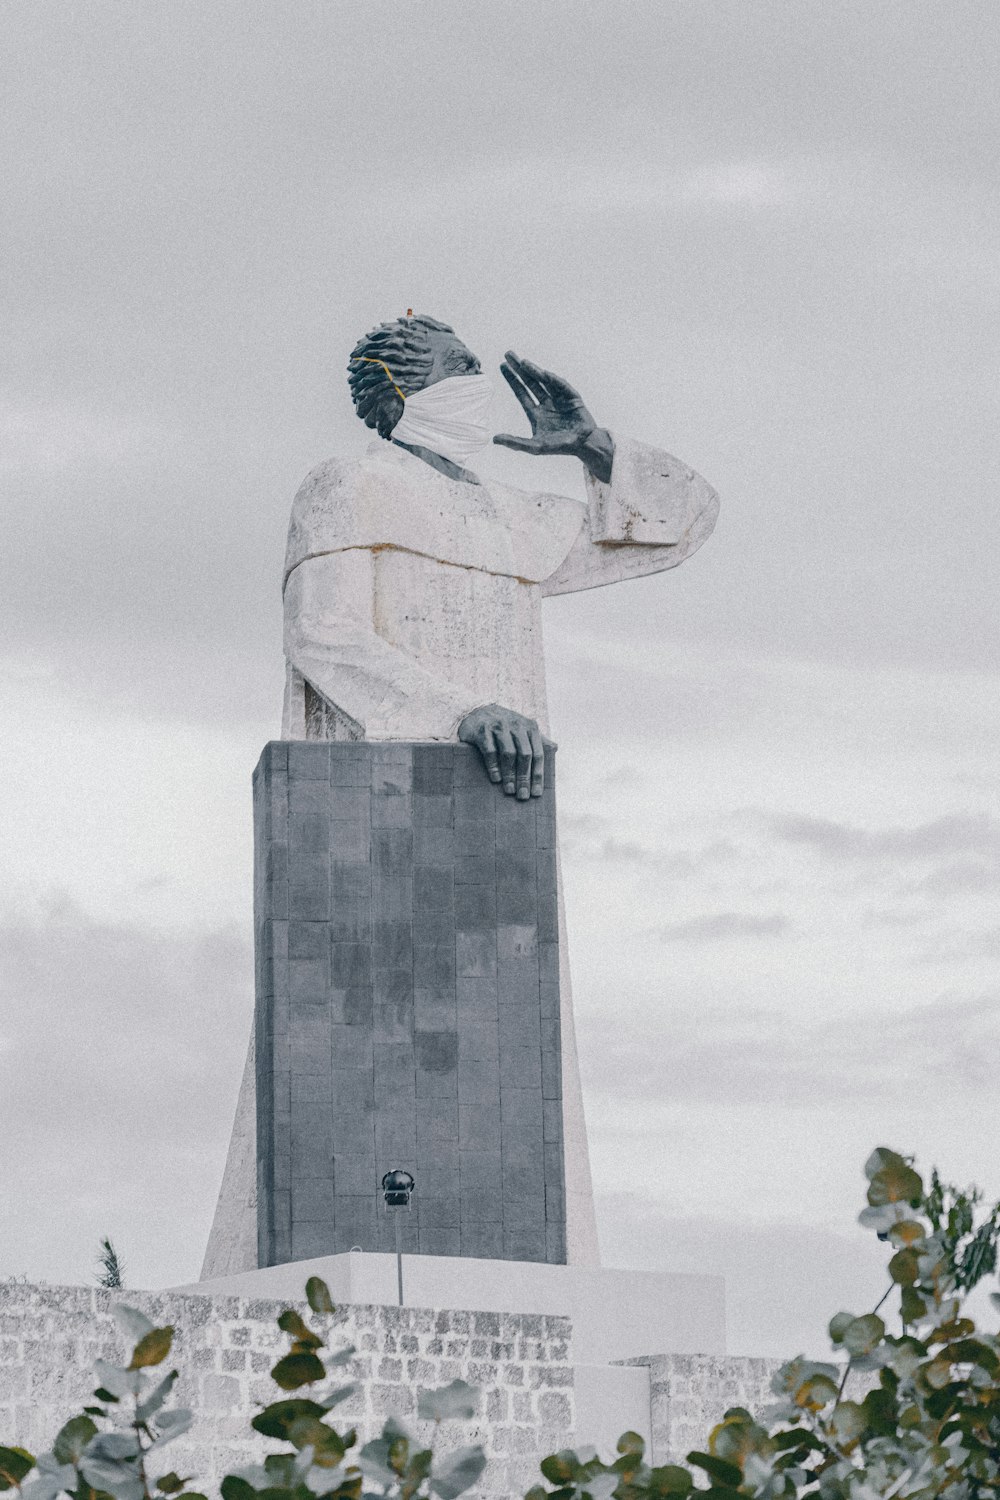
<point x="413" y="1000"/>
<point x="413" y="588"/>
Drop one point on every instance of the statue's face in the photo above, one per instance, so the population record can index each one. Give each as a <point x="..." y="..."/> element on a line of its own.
<point x="450" y="357"/>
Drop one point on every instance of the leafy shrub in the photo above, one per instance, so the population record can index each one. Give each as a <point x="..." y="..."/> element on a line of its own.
<point x="112" y="1448"/>
<point x="928" y="1425"/>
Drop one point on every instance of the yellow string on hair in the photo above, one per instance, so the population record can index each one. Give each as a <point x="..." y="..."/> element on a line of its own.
<point x="368" y="360"/>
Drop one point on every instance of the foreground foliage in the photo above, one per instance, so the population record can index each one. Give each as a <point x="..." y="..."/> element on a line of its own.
<point x="920" y="1420"/>
<point x="112" y="1449"/>
<point x="929" y="1423"/>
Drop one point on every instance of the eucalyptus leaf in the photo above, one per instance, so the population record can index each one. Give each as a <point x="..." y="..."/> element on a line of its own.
<point x="276" y="1420"/>
<point x="292" y="1323"/>
<point x="119" y="1479"/>
<point x="150" y="1405"/>
<point x="49" y="1479"/>
<point x="170" y="1484"/>
<point x="235" y="1487"/>
<point x="863" y="1334"/>
<point x="882" y="1218"/>
<point x="318" y="1295"/>
<point x="373" y="1461"/>
<point x="458" y="1473"/>
<point x="896" y="1182"/>
<point x="171" y="1424"/>
<point x="847" y="1422"/>
<point x="114" y="1379"/>
<point x="118" y="1447"/>
<point x="904" y="1267"/>
<point x="561" y="1467"/>
<point x="602" y="1486"/>
<point x="73" y="1438"/>
<point x="133" y="1323"/>
<point x="296" y="1370"/>
<point x="838" y="1323"/>
<point x="717" y="1469"/>
<point x="152" y="1348"/>
<point x="15" y="1464"/>
<point x="455" y="1402"/>
<point x="670" y="1479"/>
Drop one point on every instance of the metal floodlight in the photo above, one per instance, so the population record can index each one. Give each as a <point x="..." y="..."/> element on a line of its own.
<point x="398" y="1187"/>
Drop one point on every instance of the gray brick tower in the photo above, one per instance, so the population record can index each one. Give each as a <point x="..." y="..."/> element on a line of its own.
<point x="407" y="1010"/>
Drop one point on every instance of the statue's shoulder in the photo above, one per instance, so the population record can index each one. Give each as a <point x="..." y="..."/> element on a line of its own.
<point x="326" y="486"/>
<point x="324" y="511"/>
<point x="387" y="498"/>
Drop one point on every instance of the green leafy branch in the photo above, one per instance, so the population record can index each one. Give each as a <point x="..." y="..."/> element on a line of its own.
<point x="93" y="1458"/>
<point x="927" y="1427"/>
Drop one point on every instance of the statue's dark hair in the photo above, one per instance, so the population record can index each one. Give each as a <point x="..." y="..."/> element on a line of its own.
<point x="393" y="354"/>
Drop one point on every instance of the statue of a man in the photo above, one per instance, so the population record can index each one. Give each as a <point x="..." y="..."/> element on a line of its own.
<point x="413" y="588"/>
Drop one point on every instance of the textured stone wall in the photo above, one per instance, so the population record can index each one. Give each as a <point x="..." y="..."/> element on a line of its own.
<point x="689" y="1394"/>
<point x="407" y="1004"/>
<point x="225" y="1346"/>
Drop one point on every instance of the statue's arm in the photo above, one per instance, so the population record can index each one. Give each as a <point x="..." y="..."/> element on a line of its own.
<point x="651" y="514"/>
<point x="330" y="639"/>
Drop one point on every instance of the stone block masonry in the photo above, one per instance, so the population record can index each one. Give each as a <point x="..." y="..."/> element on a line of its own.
<point x="690" y="1393"/>
<point x="407" y="1010"/>
<point x="224" y="1348"/>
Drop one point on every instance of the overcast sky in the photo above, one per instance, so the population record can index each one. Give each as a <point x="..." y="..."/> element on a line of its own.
<point x="762" y="234"/>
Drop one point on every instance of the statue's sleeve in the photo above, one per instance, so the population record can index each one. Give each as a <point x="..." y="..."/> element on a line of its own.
<point x="330" y="639"/>
<point x="652" y="514"/>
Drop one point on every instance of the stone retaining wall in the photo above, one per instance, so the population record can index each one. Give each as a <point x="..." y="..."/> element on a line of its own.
<point x="225" y="1346"/>
<point x="690" y="1393"/>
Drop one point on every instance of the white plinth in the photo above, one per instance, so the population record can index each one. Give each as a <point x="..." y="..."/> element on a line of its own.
<point x="616" y="1315"/>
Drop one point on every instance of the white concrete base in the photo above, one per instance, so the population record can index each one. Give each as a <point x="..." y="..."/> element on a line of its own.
<point x="617" y="1315"/>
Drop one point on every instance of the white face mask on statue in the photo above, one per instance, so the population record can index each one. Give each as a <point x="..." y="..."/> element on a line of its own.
<point x="448" y="417"/>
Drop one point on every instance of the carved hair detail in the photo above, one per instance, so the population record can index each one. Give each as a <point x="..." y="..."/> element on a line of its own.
<point x="388" y="364"/>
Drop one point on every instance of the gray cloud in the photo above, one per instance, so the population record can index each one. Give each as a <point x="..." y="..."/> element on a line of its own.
<point x="118" y="1073"/>
<point x="739" y="242"/>
<point x="201" y="219"/>
<point x="721" y="925"/>
<point x="960" y="877"/>
<point x="946" y="835"/>
<point x="708" y="1053"/>
<point x="772" y="1306"/>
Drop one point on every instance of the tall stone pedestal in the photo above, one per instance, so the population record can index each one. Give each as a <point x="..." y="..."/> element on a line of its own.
<point x="407" y="1009"/>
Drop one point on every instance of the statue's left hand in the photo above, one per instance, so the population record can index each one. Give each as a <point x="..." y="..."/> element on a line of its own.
<point x="560" y="422"/>
<point x="512" y="748"/>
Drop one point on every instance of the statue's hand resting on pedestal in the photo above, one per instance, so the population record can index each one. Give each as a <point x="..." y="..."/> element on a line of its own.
<point x="512" y="748"/>
<point x="560" y="422"/>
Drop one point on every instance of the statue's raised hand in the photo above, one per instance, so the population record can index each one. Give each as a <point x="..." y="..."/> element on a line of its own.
<point x="560" y="422"/>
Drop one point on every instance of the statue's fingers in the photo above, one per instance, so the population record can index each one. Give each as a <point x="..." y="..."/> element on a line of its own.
<point x="532" y="376"/>
<point x="508" y="759"/>
<point x="519" y="444"/>
<point x="522" y="742"/>
<point x="486" y="746"/>
<point x="537" y="761"/>
<point x="519" y="388"/>
<point x="551" y="385"/>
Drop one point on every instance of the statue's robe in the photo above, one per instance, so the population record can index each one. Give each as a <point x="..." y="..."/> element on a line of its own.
<point x="411" y="599"/>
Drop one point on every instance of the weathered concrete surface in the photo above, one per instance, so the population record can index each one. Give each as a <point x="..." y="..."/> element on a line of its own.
<point x="224" y="1348"/>
<point x="411" y="598"/>
<point x="616" y="1314"/>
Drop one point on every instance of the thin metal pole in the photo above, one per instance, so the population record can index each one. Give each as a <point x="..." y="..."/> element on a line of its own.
<point x="399" y="1255"/>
